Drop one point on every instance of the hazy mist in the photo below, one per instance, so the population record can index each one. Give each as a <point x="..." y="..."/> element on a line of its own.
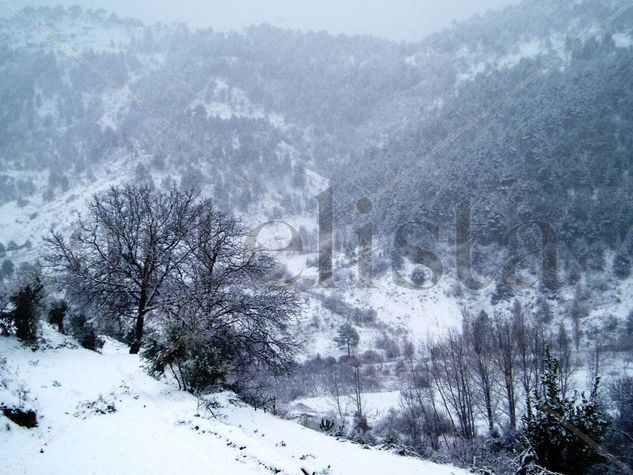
<point x="401" y="20"/>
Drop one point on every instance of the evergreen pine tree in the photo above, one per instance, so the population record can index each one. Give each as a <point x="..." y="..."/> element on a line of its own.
<point x="347" y="338"/>
<point x="565" y="435"/>
<point x="26" y="300"/>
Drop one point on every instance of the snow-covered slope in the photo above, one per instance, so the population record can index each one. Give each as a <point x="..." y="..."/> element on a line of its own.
<point x="375" y="405"/>
<point x="100" y="413"/>
<point x="100" y="31"/>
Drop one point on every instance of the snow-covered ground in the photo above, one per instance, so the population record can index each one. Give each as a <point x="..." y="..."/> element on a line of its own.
<point x="100" y="413"/>
<point x="375" y="405"/>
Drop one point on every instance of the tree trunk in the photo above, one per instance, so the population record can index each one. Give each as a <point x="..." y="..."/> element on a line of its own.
<point x="138" y="335"/>
<point x="488" y="402"/>
<point x="511" y="402"/>
<point x="140" y="323"/>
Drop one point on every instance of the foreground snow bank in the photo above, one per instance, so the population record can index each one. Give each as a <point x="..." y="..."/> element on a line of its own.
<point x="100" y="413"/>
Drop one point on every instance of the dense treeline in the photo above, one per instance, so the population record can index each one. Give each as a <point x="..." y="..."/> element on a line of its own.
<point x="338" y="96"/>
<point x="557" y="151"/>
<point x="504" y="393"/>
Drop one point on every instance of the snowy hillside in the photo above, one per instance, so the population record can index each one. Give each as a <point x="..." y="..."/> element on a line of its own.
<point x="392" y="248"/>
<point x="100" y="413"/>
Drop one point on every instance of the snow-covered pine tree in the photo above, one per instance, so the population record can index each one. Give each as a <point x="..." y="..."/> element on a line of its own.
<point x="22" y="318"/>
<point x="565" y="435"/>
<point x="347" y="338"/>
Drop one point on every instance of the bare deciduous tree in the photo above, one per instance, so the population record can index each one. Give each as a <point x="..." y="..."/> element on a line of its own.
<point x="504" y="358"/>
<point x="451" y="375"/>
<point x="478" y="337"/>
<point x="123" y="251"/>
<point x="139" y="252"/>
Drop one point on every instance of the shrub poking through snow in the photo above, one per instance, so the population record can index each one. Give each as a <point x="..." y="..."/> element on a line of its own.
<point x="85" y="333"/>
<point x="99" y="406"/>
<point x="16" y="402"/>
<point x="57" y="314"/>
<point x="22" y="417"/>
<point x="326" y="425"/>
<point x="21" y="316"/>
<point x="194" y="361"/>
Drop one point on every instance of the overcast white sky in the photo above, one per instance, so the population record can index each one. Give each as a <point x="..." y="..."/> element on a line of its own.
<point x="408" y="20"/>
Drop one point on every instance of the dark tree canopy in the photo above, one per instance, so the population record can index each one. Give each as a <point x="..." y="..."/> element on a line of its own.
<point x="347" y="338"/>
<point x="564" y="433"/>
<point x="124" y="250"/>
<point x="174" y="257"/>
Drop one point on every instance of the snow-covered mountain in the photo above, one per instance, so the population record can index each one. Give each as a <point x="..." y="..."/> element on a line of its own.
<point x="265" y="120"/>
